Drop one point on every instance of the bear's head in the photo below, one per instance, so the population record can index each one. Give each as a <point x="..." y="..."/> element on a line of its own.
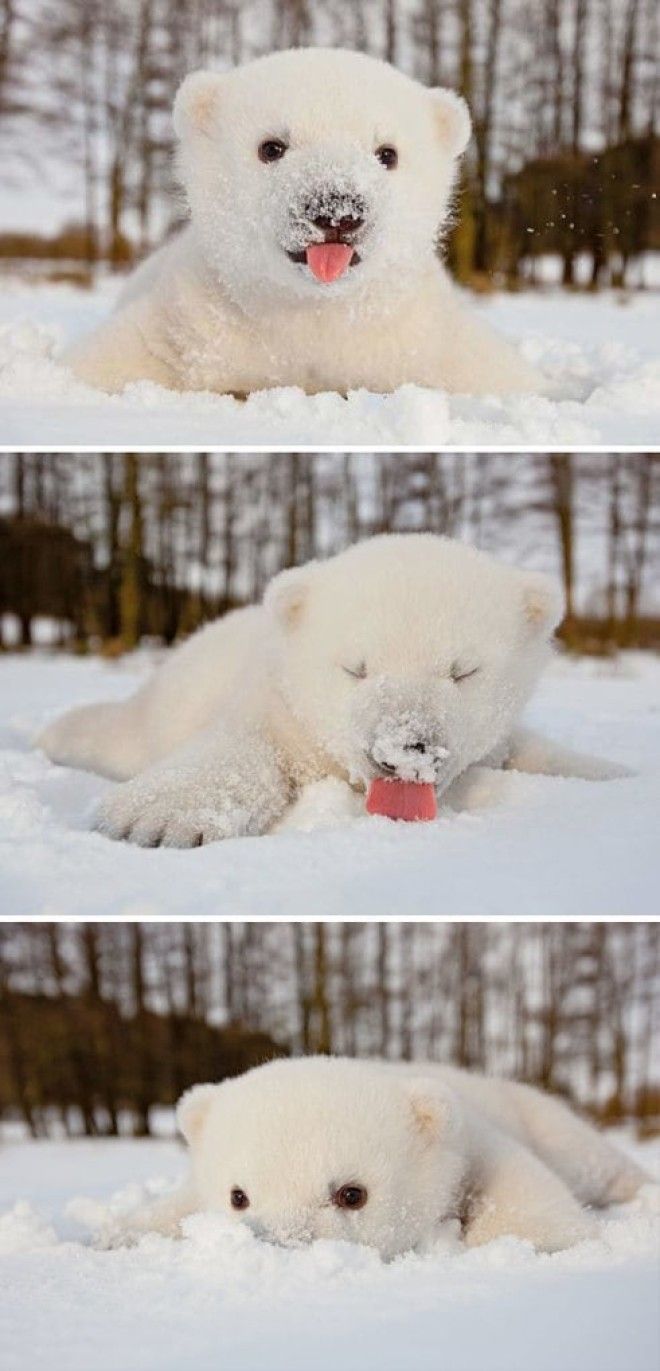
<point x="314" y="174"/>
<point x="410" y="655"/>
<point x="326" y="1147"/>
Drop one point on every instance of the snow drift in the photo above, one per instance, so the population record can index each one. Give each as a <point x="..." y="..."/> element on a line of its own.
<point x="220" y="1296"/>
<point x="599" y="352"/>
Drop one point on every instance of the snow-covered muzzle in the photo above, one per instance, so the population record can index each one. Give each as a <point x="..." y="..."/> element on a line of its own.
<point x="404" y="730"/>
<point x="337" y="217"/>
<point x="328" y="212"/>
<point x="291" y="1226"/>
<point x="289" y="1229"/>
<point x="399" y="732"/>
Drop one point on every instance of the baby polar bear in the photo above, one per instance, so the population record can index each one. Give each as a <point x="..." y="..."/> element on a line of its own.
<point x="407" y="656"/>
<point x="383" y="1154"/>
<point x="318" y="182"/>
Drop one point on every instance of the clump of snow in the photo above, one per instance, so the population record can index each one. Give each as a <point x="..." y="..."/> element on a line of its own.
<point x="322" y="805"/>
<point x="391" y="747"/>
<point x="599" y="353"/>
<point x="22" y="1229"/>
<point x="221" y="1296"/>
<point x="512" y="844"/>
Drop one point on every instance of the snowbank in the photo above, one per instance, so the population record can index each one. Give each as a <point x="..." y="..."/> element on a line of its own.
<point x="222" y="1298"/>
<point x="520" y="845"/>
<point x="599" y="352"/>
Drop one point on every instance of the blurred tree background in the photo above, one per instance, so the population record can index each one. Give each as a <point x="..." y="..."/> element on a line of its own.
<point x="104" y="550"/>
<point x="564" y="161"/>
<point x="101" y="1023"/>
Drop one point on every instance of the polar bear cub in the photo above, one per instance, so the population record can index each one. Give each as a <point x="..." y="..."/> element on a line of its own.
<point x="318" y="183"/>
<point x="407" y="655"/>
<point x="384" y="1154"/>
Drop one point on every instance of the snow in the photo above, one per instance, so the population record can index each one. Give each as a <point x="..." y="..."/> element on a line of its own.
<point x="519" y="846"/>
<point x="221" y="1297"/>
<point x="600" y="353"/>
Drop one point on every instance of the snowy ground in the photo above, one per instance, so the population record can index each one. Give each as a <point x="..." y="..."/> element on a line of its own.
<point x="522" y="846"/>
<point x="221" y="1298"/>
<point x="600" y="354"/>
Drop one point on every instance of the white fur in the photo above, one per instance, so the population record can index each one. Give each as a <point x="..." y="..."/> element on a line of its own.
<point x="223" y="308"/>
<point x="222" y="738"/>
<point x="428" y="1143"/>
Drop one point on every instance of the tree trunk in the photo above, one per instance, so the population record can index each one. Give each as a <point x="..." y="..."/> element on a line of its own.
<point x="130" y="592"/>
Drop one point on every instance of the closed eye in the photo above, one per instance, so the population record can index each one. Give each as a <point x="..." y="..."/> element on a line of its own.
<point x="357" y="672"/>
<point x="458" y="674"/>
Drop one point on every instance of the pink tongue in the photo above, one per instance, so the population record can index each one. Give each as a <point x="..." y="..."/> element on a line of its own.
<point x="407" y="800"/>
<point x="328" y="261"/>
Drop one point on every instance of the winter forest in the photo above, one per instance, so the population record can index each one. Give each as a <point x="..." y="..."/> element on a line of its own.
<point x="563" y="94"/>
<point x="102" y="1022"/>
<point x="106" y="550"/>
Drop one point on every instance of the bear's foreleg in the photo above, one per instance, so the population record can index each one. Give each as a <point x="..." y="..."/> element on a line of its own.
<point x="163" y="1216"/>
<point x="228" y="782"/>
<point x="528" y="751"/>
<point x="119" y="352"/>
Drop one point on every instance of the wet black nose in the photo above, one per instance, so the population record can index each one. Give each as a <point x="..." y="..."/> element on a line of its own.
<point x="337" y="214"/>
<point x="347" y="223"/>
<point x="416" y="747"/>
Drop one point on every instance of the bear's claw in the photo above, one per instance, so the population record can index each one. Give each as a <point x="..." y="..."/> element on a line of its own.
<point x="134" y="813"/>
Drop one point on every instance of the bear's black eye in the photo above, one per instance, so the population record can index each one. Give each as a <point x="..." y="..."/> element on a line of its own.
<point x="271" y="150"/>
<point x="350" y="1197"/>
<point x="387" y="156"/>
<point x="239" y="1199"/>
<point x="357" y="672"/>
<point x="458" y="674"/>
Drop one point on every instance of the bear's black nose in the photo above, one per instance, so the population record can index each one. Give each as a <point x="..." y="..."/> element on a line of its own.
<point x="337" y="214"/>
<point x="338" y="227"/>
<point x="416" y="747"/>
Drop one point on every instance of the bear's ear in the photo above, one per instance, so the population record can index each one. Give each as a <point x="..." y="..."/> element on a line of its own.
<point x="286" y="595"/>
<point x="192" y="1110"/>
<point x="431" y="1108"/>
<point x="453" y="120"/>
<point x="543" y="602"/>
<point x="196" y="103"/>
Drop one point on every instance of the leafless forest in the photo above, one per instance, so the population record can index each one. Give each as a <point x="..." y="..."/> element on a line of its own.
<point x="101" y="1022"/>
<point x="564" y="95"/>
<point x="102" y="551"/>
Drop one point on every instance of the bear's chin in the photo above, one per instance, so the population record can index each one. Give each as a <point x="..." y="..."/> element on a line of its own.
<point x="303" y="285"/>
<point x="286" y="283"/>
